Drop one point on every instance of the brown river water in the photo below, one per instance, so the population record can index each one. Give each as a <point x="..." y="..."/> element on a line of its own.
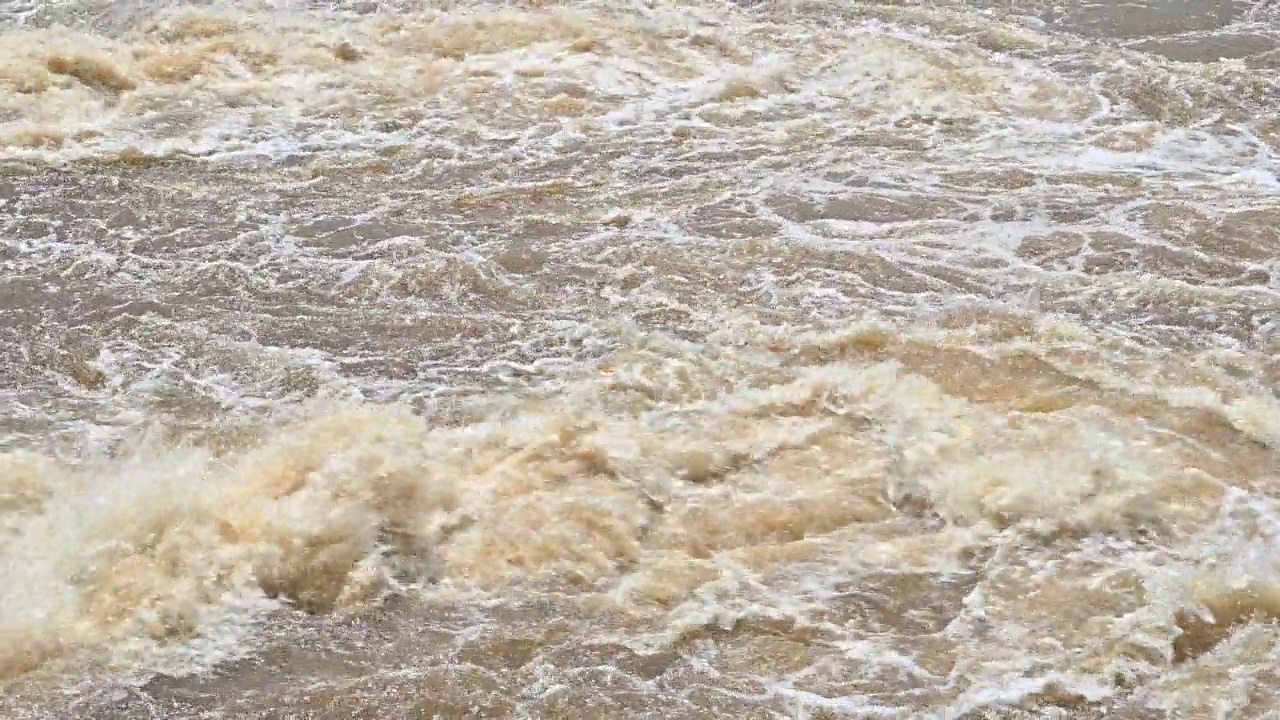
<point x="639" y="359"/>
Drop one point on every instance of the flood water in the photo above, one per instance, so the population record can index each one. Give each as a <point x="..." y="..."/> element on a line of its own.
<point x="652" y="359"/>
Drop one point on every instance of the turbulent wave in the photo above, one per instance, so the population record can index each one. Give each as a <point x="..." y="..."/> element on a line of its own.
<point x="220" y="79"/>
<point x="726" y="358"/>
<point x="671" y="468"/>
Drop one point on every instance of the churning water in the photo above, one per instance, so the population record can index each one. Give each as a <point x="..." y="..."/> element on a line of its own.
<point x="659" y="359"/>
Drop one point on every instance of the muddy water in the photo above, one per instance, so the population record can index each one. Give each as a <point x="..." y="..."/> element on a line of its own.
<point x="639" y="360"/>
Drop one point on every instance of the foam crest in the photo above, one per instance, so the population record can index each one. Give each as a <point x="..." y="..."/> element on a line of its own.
<point x="153" y="548"/>
<point x="193" y="80"/>
<point x="668" y="458"/>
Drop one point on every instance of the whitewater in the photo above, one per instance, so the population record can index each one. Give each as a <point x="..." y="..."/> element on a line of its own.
<point x="639" y="359"/>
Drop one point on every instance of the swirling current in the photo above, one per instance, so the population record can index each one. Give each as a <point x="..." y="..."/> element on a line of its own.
<point x="646" y="359"/>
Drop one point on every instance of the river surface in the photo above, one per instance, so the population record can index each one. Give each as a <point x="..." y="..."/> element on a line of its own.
<point x="646" y="359"/>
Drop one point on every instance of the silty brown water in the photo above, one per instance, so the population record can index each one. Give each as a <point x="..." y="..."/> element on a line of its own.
<point x="662" y="359"/>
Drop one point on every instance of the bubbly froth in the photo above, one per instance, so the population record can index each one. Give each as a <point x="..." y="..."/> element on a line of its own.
<point x="729" y="359"/>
